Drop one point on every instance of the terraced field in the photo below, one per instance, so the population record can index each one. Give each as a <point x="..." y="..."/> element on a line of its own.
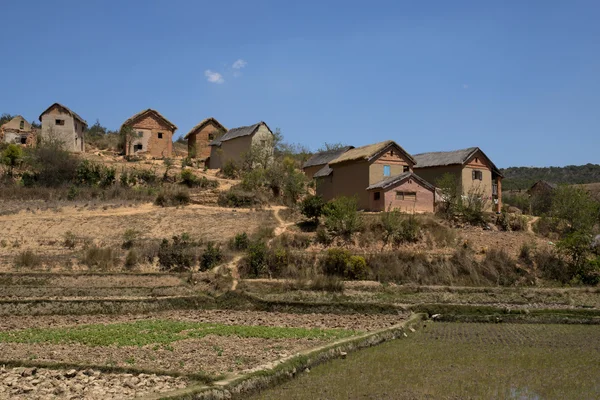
<point x="457" y="360"/>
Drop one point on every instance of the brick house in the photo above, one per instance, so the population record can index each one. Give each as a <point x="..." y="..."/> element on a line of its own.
<point x="407" y="192"/>
<point x="234" y="144"/>
<point x="472" y="169"/>
<point x="18" y="131"/>
<point x="62" y="124"/>
<point x="155" y="134"/>
<point x="321" y="159"/>
<point x="376" y="175"/>
<point x="200" y="136"/>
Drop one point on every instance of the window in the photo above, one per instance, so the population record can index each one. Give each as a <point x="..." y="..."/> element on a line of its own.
<point x="410" y="196"/>
<point x="160" y="135"/>
<point x="386" y="170"/>
<point x="211" y="136"/>
<point x="477" y="175"/>
<point x="140" y="134"/>
<point x="406" y="168"/>
<point x="60" y="122"/>
<point x="23" y="139"/>
<point x="138" y="147"/>
<point x="376" y="196"/>
<point x="22" y="125"/>
<point x="75" y="126"/>
<point x="263" y="143"/>
<point x="392" y="153"/>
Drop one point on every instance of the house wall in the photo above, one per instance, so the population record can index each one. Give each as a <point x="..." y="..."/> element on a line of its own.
<point x="15" y="123"/>
<point x="324" y="187"/>
<point x="310" y="171"/>
<point x="198" y="141"/>
<point x="73" y="140"/>
<point x="395" y="161"/>
<point x="151" y="144"/>
<point x="424" y="202"/>
<point x="234" y="149"/>
<point x="351" y="180"/>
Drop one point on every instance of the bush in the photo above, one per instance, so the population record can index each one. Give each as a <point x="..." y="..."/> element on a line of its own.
<point x="526" y="253"/>
<point x="230" y="170"/>
<point x="553" y="267"/>
<point x="178" y="255"/>
<point x="511" y="222"/>
<point x="211" y="257"/>
<point x="342" y="217"/>
<point x="129" y="238"/>
<point x="546" y="226"/>
<point x="256" y="259"/>
<point x="132" y="259"/>
<point x="236" y="197"/>
<point x="499" y="267"/>
<point x="190" y="180"/>
<point x="312" y="207"/>
<point x="70" y="240"/>
<point x="52" y="166"/>
<point x="323" y="237"/>
<point x="327" y="284"/>
<point x="240" y="241"/>
<point x="12" y="157"/>
<point x="172" y="197"/>
<point x="94" y="174"/>
<point x="340" y="262"/>
<point x="27" y="259"/>
<point x="102" y="257"/>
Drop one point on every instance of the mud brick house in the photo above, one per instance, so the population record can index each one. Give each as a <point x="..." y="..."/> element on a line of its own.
<point x="471" y="167"/>
<point x="200" y="136"/>
<point x="62" y="124"/>
<point x="18" y="131"/>
<point x="542" y="187"/>
<point x="234" y="144"/>
<point x="321" y="159"/>
<point x="155" y="134"/>
<point x="406" y="192"/>
<point x="379" y="175"/>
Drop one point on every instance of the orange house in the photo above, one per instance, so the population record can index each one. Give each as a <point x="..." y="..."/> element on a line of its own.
<point x="154" y="134"/>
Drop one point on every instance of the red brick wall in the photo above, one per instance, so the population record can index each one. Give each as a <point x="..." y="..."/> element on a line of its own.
<point x="424" y="199"/>
<point x="198" y="141"/>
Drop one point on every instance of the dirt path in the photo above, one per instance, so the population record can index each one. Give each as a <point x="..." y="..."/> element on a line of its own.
<point x="530" y="223"/>
<point x="279" y="230"/>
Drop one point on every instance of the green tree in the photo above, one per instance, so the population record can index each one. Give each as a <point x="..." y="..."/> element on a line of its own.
<point x="576" y="207"/>
<point x="128" y="136"/>
<point x="449" y="185"/>
<point x="342" y="217"/>
<point x="12" y="157"/>
<point x="312" y="207"/>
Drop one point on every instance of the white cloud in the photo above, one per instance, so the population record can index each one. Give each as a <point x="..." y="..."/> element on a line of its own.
<point x="213" y="77"/>
<point x="239" y="64"/>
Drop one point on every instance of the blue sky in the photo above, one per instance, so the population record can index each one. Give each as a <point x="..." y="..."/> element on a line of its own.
<point x="520" y="79"/>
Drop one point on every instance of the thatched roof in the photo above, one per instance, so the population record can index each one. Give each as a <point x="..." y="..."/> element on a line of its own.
<point x="202" y="124"/>
<point x="323" y="172"/>
<point x="393" y="180"/>
<point x="146" y="112"/>
<point x="546" y="184"/>
<point x="238" y="132"/>
<point x="324" y="157"/>
<point x="66" y="110"/>
<point x="446" y="158"/>
<point x="369" y="152"/>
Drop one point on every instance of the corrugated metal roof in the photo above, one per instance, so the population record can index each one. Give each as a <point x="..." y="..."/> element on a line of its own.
<point x="392" y="180"/>
<point x="323" y="157"/>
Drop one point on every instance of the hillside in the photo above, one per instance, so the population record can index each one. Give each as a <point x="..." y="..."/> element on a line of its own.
<point x="516" y="178"/>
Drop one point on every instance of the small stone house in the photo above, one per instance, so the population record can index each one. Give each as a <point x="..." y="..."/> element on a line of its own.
<point x="406" y="192"/>
<point x="62" y="124"/>
<point x="18" y="131"/>
<point x="321" y="159"/>
<point x="542" y="187"/>
<point x="366" y="173"/>
<point x="200" y="136"/>
<point x="234" y="144"/>
<point x="472" y="169"/>
<point x="154" y="134"/>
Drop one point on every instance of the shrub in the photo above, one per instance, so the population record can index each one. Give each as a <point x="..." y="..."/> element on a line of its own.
<point x="94" y="174"/>
<point x="27" y="259"/>
<point x="230" y="170"/>
<point x="312" y="207"/>
<point x="132" y="259"/>
<point x="12" y="157"/>
<point x="52" y="165"/>
<point x="553" y="267"/>
<point x="177" y="255"/>
<point x="340" y="262"/>
<point x="188" y="178"/>
<point x="240" y="241"/>
<point x="236" y="197"/>
<point x="526" y="253"/>
<point x="256" y="258"/>
<point x="545" y="226"/>
<point x="172" y="197"/>
<point x="70" y="240"/>
<point x="129" y="238"/>
<point x="323" y="237"/>
<point x="342" y="217"/>
<point x="102" y="257"/>
<point x="211" y="257"/>
<point x="499" y="267"/>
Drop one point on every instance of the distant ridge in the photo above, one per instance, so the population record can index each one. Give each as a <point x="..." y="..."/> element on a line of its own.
<point x="520" y="178"/>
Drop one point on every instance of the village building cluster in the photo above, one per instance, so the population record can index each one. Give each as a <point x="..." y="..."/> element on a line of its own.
<point x="380" y="176"/>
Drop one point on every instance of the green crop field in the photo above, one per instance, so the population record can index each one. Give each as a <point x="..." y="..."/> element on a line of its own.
<point x="457" y="361"/>
<point x="141" y="333"/>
